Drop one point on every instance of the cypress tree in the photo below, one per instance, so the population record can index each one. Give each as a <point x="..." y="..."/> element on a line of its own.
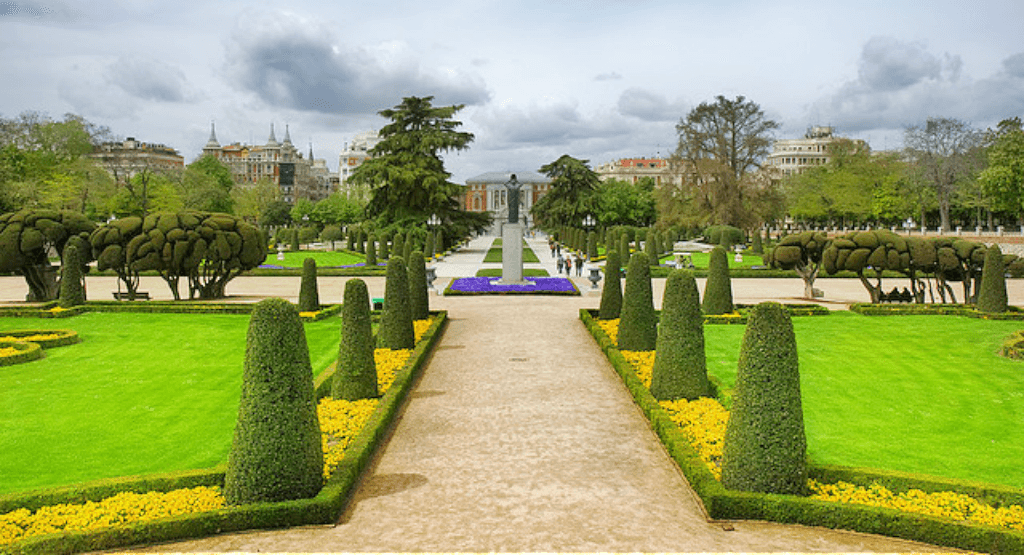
<point x="680" y="368"/>
<point x="396" y="331"/>
<point x="611" y="293"/>
<point x="383" y="254"/>
<point x="624" y="253"/>
<point x="294" y="236"/>
<point x="309" y="295"/>
<point x="351" y="239"/>
<point x="591" y="245"/>
<point x="361" y="242"/>
<point x="71" y="291"/>
<point x="439" y="242"/>
<point x="371" y="250"/>
<point x="992" y="294"/>
<point x="419" y="301"/>
<point x="398" y="244"/>
<point x="638" y="325"/>
<point x="275" y="453"/>
<point x="428" y="248"/>
<point x="765" y="446"/>
<point x="355" y="376"/>
<point x="756" y="246"/>
<point x="410" y="245"/>
<point x="718" y="287"/>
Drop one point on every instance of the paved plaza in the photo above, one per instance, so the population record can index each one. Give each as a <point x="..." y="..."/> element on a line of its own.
<point x="520" y="437"/>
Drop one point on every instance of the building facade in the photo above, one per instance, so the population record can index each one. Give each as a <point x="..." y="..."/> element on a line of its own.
<point x="632" y="170"/>
<point x="281" y="163"/>
<point x="793" y="156"/>
<point x="353" y="156"/>
<point x="127" y="158"/>
<point x="487" y="192"/>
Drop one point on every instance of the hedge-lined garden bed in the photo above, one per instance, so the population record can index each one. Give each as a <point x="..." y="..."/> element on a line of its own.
<point x="325" y="508"/>
<point x="721" y="503"/>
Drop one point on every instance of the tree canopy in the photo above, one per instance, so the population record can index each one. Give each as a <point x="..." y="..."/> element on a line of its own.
<point x="572" y="194"/>
<point x="1003" y="179"/>
<point x="942" y="152"/>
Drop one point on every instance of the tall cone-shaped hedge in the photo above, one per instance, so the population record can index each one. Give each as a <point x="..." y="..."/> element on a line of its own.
<point x="397" y="244"/>
<point x="309" y="296"/>
<point x="718" y="287"/>
<point x="396" y="331"/>
<point x="680" y="368"/>
<point x="419" y="301"/>
<point x="624" y="249"/>
<point x="355" y="377"/>
<point x="293" y="236"/>
<point x="428" y="247"/>
<point x="382" y="252"/>
<point x="371" y="250"/>
<point x="992" y="294"/>
<point x="638" y="324"/>
<point x="71" y="291"/>
<point x="276" y="453"/>
<point x="611" y="292"/>
<point x="765" y="446"/>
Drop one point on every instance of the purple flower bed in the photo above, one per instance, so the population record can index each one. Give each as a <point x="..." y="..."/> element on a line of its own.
<point x="489" y="285"/>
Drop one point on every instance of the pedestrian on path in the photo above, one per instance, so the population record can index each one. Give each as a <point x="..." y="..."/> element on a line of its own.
<point x="551" y="245"/>
<point x="568" y="265"/>
<point x="579" y="265"/>
<point x="561" y="264"/>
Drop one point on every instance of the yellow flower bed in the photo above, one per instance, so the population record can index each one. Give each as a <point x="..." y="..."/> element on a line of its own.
<point x="340" y="422"/>
<point x="946" y="504"/>
<point x="31" y="338"/>
<point x="8" y="351"/>
<point x="703" y="421"/>
<point x="642" y="363"/>
<point x="611" y="329"/>
<point x="123" y="508"/>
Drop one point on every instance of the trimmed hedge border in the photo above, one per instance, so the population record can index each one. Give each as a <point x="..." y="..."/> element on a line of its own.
<point x="27" y="352"/>
<point x="722" y="504"/>
<point x="50" y="310"/>
<point x="1013" y="346"/>
<point x="325" y="508"/>
<point x="1013" y="313"/>
<point x="64" y="337"/>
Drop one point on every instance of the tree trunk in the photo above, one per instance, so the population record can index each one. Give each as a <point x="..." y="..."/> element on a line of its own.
<point x="872" y="290"/>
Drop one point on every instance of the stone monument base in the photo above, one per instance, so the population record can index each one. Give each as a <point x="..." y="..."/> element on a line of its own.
<point x="512" y="255"/>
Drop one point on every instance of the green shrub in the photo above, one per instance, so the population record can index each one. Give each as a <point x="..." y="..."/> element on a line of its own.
<point x="992" y="295"/>
<point x="396" y="331"/>
<point x="309" y="295"/>
<point x="624" y="252"/>
<point x="765" y="446"/>
<point x="680" y="368"/>
<point x="371" y="250"/>
<point x="651" y="248"/>
<point x="275" y="453"/>
<point x="355" y="376"/>
<point x="383" y="251"/>
<point x="331" y="233"/>
<point x="398" y="244"/>
<point x="723" y="235"/>
<point x="351" y="239"/>
<point x="419" y="301"/>
<point x="428" y="247"/>
<point x="718" y="287"/>
<point x="611" y="292"/>
<point x="72" y="293"/>
<point x="408" y="246"/>
<point x="756" y="246"/>
<point x="592" y="245"/>
<point x="293" y="236"/>
<point x="638" y="325"/>
<point x="308" y="234"/>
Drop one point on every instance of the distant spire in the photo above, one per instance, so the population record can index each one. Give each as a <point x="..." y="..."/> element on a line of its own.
<point x="212" y="142"/>
<point x="272" y="140"/>
<point x="287" y="135"/>
<point x="311" y="151"/>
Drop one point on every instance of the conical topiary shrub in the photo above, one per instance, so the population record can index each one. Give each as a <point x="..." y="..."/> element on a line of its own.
<point x="398" y="244"/>
<point x="611" y="292"/>
<point x="396" y="331"/>
<point x="992" y="294"/>
<point x="765" y="446"/>
<point x="371" y="251"/>
<point x="428" y="248"/>
<point x="71" y="291"/>
<point x="591" y="245"/>
<point x="309" y="296"/>
<point x="718" y="287"/>
<point x="293" y="234"/>
<point x="756" y="246"/>
<point x="419" y="301"/>
<point x="638" y="324"/>
<point x="383" y="253"/>
<point x="680" y="368"/>
<point x="408" y="246"/>
<point x="624" y="252"/>
<point x="650" y="248"/>
<point x="355" y="376"/>
<point x="351" y="239"/>
<point x="275" y="453"/>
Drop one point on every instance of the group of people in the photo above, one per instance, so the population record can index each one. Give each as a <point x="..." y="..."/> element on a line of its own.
<point x="566" y="263"/>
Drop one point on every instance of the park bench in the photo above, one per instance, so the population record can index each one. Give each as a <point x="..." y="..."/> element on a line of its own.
<point x="139" y="296"/>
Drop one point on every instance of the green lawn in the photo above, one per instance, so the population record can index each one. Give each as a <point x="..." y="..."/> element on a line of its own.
<point x="494" y="254"/>
<point x="700" y="260"/>
<point x="925" y="394"/>
<point x="142" y="393"/>
<point x="322" y="258"/>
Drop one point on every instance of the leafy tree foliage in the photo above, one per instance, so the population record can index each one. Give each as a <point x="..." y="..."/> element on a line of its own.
<point x="206" y="185"/>
<point x="26" y="239"/>
<point x="942" y="150"/>
<point x="573" y="193"/>
<point x="252" y="201"/>
<point x="801" y="252"/>
<point x="624" y="203"/>
<point x="405" y="173"/>
<point x="720" y="149"/>
<point x="1003" y="179"/>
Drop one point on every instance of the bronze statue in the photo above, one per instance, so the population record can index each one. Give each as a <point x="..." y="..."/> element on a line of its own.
<point x="513" y="187"/>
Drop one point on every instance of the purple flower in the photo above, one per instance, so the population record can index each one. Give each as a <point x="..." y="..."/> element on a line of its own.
<point x="490" y="285"/>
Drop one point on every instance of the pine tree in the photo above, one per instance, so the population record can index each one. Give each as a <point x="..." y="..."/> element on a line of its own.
<point x="680" y="367"/>
<point x="611" y="292"/>
<point x="765" y="446"/>
<point x="275" y="453"/>
<point x="638" y="324"/>
<point x="355" y="376"/>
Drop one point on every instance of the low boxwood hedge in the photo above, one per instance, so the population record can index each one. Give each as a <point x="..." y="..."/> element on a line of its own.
<point x="886" y="309"/>
<point x="64" y="337"/>
<point x="325" y="508"/>
<point x="24" y="352"/>
<point x="722" y="504"/>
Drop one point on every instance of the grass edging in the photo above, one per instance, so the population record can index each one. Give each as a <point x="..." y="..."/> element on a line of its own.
<point x="325" y="508"/>
<point x="970" y="311"/>
<point x="722" y="504"/>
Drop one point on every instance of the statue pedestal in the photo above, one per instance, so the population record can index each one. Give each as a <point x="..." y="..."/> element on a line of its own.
<point x="512" y="255"/>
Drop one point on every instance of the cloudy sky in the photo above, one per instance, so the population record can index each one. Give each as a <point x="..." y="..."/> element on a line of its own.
<point x="598" y="80"/>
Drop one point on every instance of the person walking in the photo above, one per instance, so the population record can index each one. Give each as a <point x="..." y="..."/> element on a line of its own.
<point x="579" y="265"/>
<point x="560" y="263"/>
<point x="568" y="265"/>
<point x="551" y="245"/>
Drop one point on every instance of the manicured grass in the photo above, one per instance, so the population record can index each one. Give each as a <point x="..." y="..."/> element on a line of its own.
<point x="322" y="258"/>
<point x="700" y="260"/>
<point x="142" y="393"/>
<point x="494" y="254"/>
<point x="926" y="394"/>
<point x="527" y="272"/>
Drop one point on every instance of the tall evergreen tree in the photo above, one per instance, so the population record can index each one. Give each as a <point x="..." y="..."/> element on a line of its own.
<point x="572" y="195"/>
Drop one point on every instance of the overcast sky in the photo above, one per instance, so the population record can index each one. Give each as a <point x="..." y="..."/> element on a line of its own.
<point x="597" y="80"/>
